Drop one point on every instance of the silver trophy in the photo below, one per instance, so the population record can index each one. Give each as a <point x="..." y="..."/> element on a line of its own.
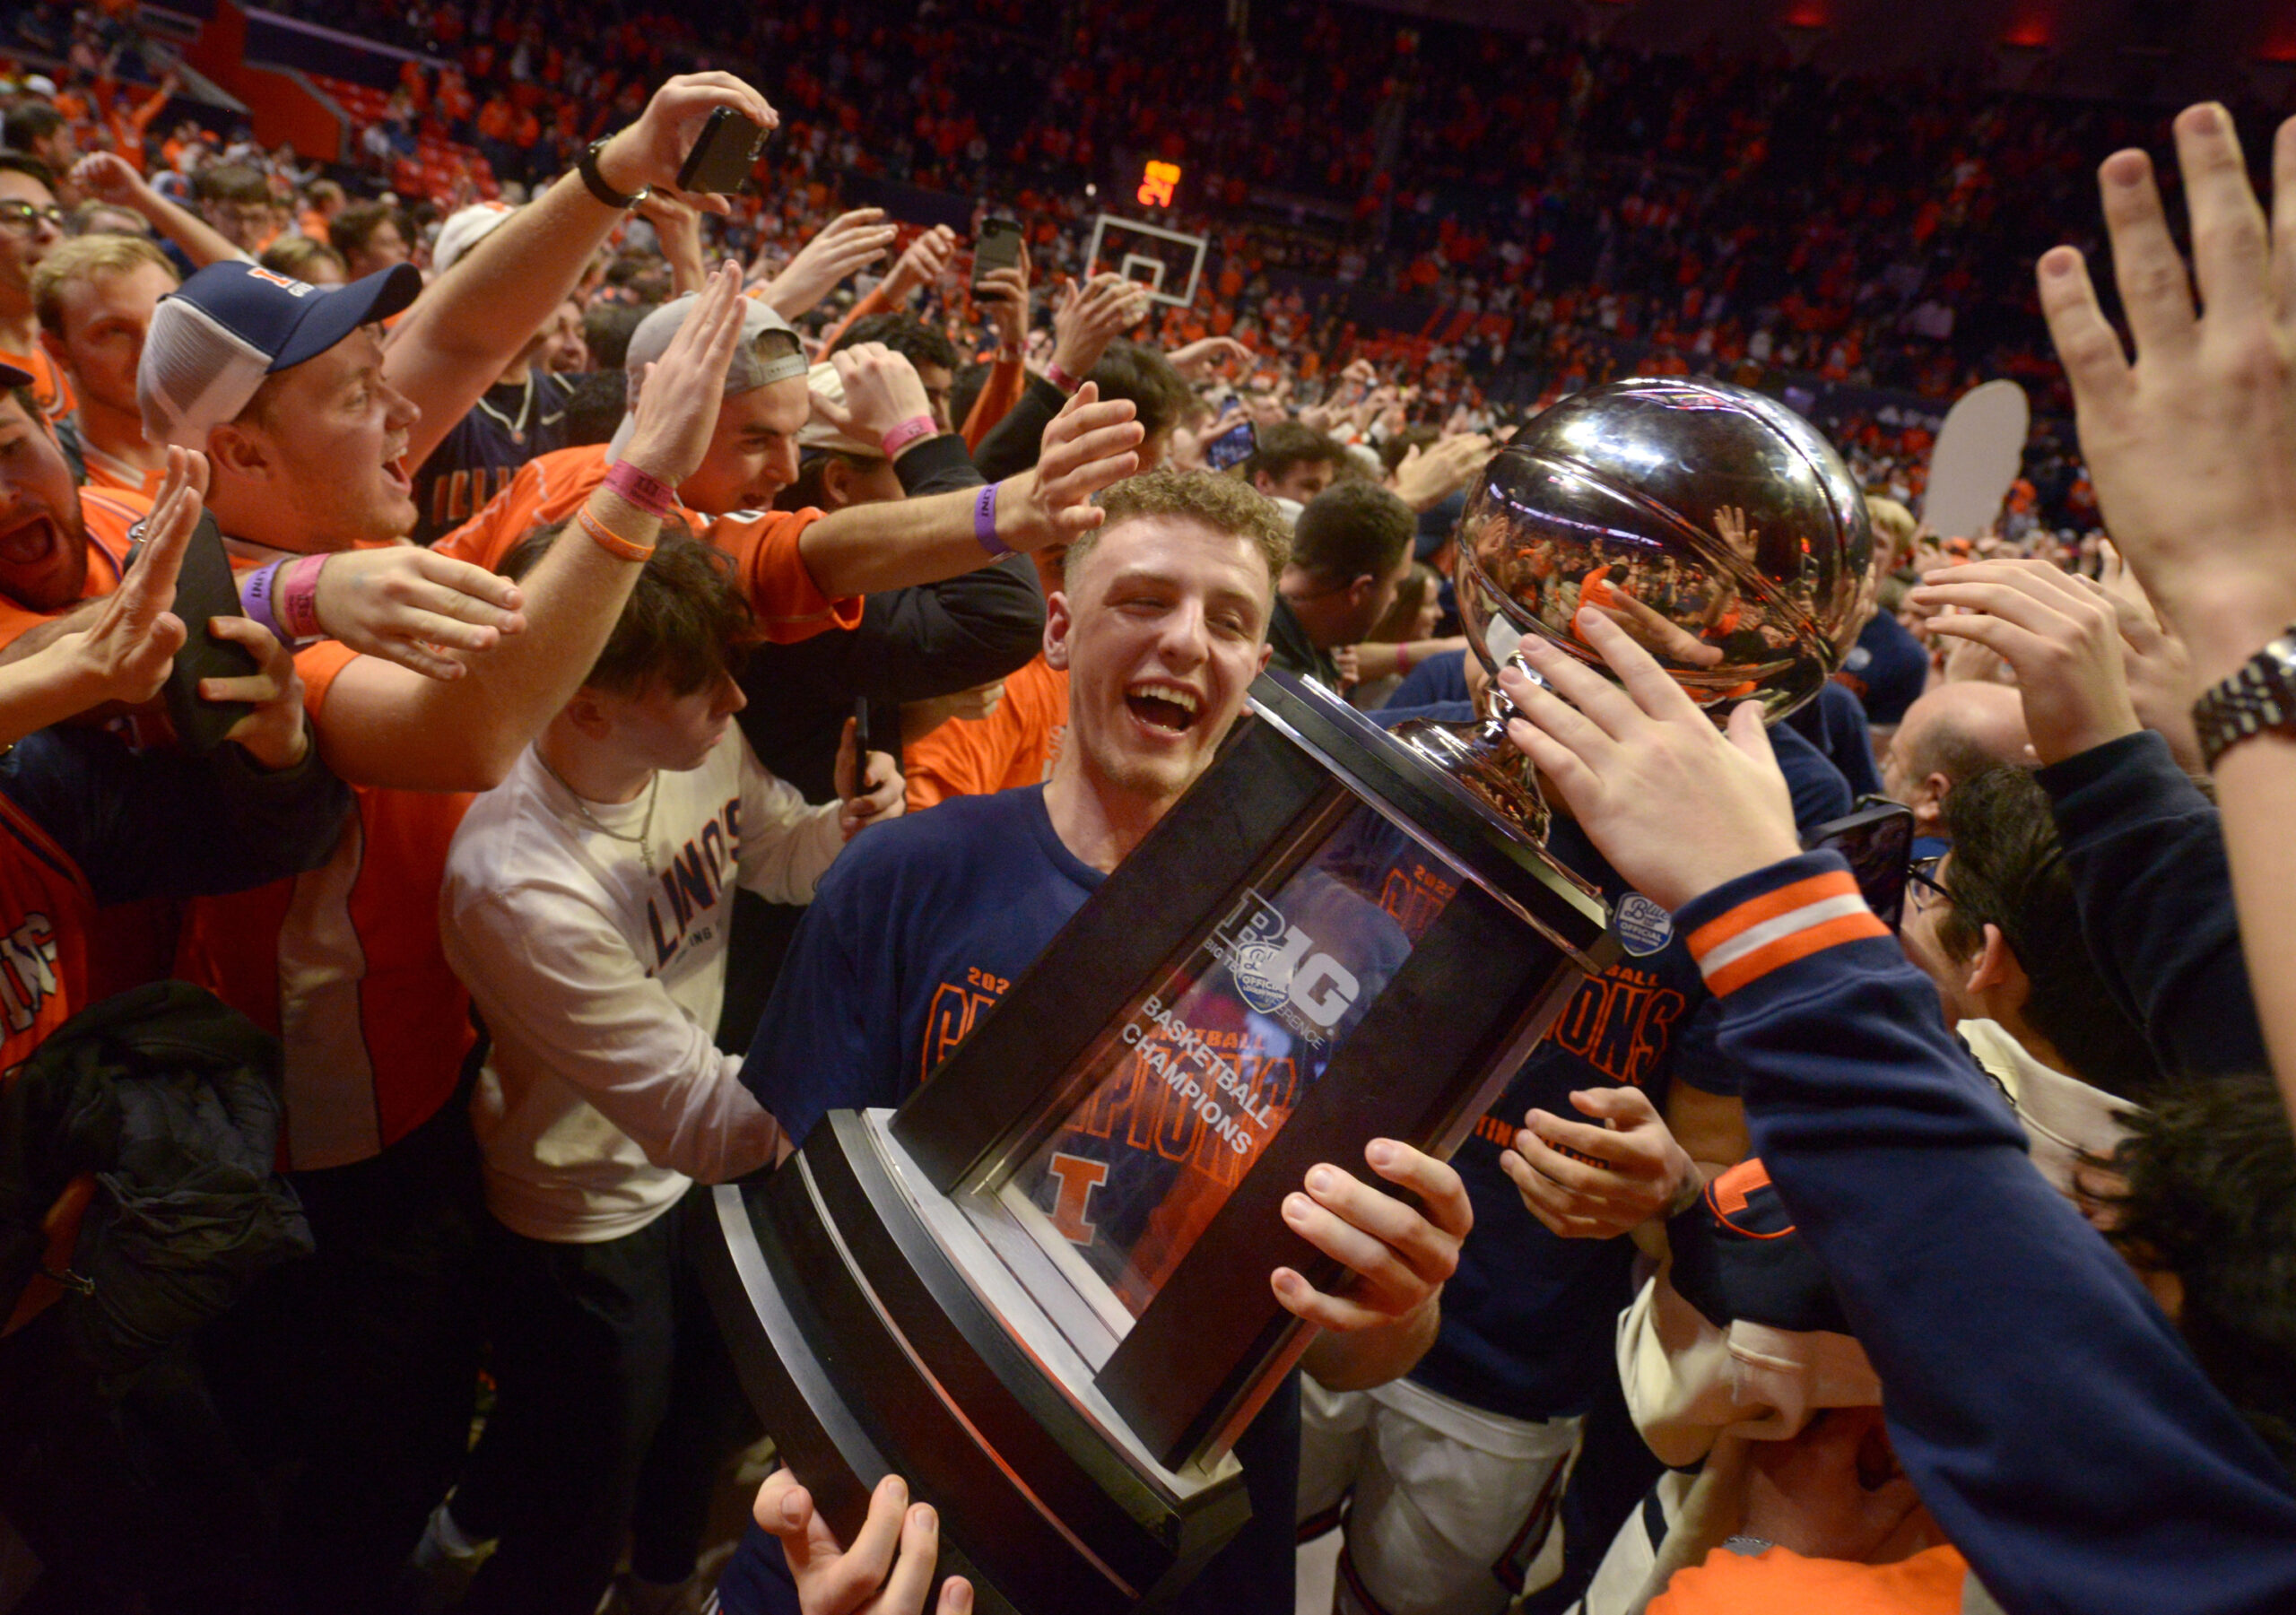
<point x="1713" y="523"/>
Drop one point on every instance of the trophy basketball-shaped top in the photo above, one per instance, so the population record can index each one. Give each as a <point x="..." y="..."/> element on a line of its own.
<point x="1040" y="1291"/>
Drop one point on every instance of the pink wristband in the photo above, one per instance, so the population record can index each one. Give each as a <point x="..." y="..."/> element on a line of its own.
<point x="1061" y="378"/>
<point x="984" y="522"/>
<point x="648" y="492"/>
<point x="297" y="597"/>
<point x="908" y="432"/>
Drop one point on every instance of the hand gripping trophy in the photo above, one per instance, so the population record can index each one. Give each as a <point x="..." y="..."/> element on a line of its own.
<point x="1337" y="934"/>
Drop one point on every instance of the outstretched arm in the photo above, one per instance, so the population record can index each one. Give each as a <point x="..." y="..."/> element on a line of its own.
<point x="462" y="332"/>
<point x="387" y="726"/>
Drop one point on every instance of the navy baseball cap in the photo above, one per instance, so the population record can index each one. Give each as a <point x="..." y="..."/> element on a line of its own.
<point x="215" y="337"/>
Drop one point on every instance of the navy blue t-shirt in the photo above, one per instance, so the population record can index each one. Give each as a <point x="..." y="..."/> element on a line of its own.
<point x="915" y="931"/>
<point x="1437" y="679"/>
<point x="482" y="451"/>
<point x="1529" y="1316"/>
<point x="1887" y="669"/>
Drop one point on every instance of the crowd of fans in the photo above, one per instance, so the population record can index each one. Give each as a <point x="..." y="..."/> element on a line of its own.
<point x="1527" y="216"/>
<point x="801" y="623"/>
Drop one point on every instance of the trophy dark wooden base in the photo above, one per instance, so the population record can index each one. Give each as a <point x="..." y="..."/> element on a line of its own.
<point x="1329" y="940"/>
<point x="871" y="1355"/>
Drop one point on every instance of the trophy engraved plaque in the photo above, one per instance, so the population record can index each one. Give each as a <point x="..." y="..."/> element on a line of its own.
<point x="1039" y="1290"/>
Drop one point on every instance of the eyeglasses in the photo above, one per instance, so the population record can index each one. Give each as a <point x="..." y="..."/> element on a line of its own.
<point x="1921" y="877"/>
<point x="25" y="216"/>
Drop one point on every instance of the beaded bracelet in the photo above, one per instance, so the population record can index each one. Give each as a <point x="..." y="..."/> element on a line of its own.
<point x="257" y="591"/>
<point x="297" y="596"/>
<point x="908" y="432"/>
<point x="984" y="522"/>
<point x="611" y="542"/>
<point x="642" y="488"/>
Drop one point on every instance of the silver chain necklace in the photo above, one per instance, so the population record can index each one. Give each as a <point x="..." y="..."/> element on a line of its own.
<point x="642" y="839"/>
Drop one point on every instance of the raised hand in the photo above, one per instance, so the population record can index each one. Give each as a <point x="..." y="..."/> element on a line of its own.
<point x="869" y="791"/>
<point x="887" y="1571"/>
<point x="2192" y="444"/>
<point x="677" y="226"/>
<point x="2060" y="635"/>
<point x="1626" y="756"/>
<point x="679" y="395"/>
<point x="1002" y="299"/>
<point x="1088" y="318"/>
<point x="1594" y="1180"/>
<point x="850" y="242"/>
<point x="1089" y="446"/>
<point x="128" y="651"/>
<point x="926" y="260"/>
<point x="651" y="150"/>
<point x="108" y="177"/>
<point x="410" y="605"/>
<point x="1425" y="478"/>
<point x="881" y="391"/>
<point x="1200" y="359"/>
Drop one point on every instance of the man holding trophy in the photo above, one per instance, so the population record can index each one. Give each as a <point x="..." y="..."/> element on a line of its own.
<point x="1160" y="628"/>
<point x="1341" y="941"/>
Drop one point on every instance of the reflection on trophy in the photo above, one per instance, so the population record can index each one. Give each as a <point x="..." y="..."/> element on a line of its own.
<point x="1040" y="1289"/>
<point x="1712" y="524"/>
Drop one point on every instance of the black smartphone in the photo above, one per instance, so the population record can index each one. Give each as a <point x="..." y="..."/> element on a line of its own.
<point x="1878" y="843"/>
<point x="721" y="159"/>
<point x="206" y="589"/>
<point x="1231" y="447"/>
<point x="997" y="247"/>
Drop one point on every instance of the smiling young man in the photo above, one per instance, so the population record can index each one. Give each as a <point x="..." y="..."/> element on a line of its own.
<point x="1160" y="629"/>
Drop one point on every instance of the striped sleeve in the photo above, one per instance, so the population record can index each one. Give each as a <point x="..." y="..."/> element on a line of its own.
<point x="1770" y="919"/>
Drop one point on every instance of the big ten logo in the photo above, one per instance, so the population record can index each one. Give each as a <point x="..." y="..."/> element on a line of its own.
<point x="1138" y="1107"/>
<point x="1158" y="183"/>
<point x="1275" y="965"/>
<point x="956" y="1005"/>
<point x="1619" y="1023"/>
<point x="1414" y="897"/>
<point x="456" y="495"/>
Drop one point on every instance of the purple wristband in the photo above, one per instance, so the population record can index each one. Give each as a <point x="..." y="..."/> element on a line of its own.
<point x="984" y="522"/>
<point x="255" y="595"/>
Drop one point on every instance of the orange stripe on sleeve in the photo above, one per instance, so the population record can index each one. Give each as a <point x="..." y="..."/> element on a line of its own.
<point x="1795" y="945"/>
<point x="1756" y="911"/>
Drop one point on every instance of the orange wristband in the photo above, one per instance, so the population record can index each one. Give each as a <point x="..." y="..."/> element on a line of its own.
<point x="611" y="542"/>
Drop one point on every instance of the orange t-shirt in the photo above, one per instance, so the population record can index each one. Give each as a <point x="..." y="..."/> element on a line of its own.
<point x="551" y="488"/>
<point x="1015" y="745"/>
<point x="342" y="965"/>
<point x="107" y="514"/>
<point x="117" y="477"/>
<point x="50" y="390"/>
<point x="1777" y="1581"/>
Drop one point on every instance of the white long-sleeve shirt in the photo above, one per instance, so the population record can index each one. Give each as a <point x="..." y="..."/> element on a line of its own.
<point x="605" y="1095"/>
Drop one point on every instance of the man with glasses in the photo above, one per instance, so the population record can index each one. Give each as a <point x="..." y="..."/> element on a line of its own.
<point x="1994" y="925"/>
<point x="237" y="201"/>
<point x="30" y="225"/>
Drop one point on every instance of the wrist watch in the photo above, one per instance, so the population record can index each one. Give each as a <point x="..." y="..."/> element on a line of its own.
<point x="2260" y="696"/>
<point x="586" y="165"/>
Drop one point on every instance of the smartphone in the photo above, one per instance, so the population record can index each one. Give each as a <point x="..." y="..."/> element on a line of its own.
<point x="721" y="159"/>
<point x="206" y="589"/>
<point x="1878" y="842"/>
<point x="998" y="246"/>
<point x="1233" y="447"/>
